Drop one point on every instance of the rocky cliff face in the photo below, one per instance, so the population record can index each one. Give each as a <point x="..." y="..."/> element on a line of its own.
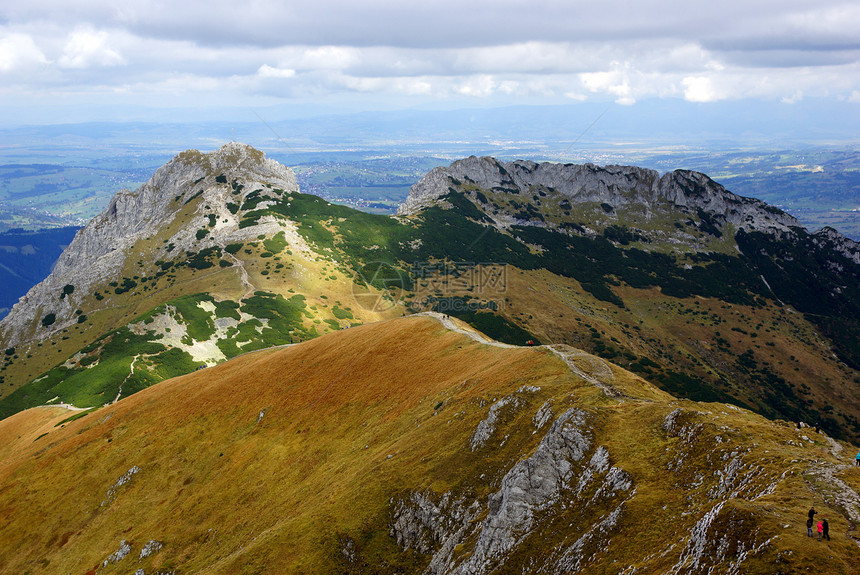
<point x="830" y="238"/>
<point x="558" y="475"/>
<point x="615" y="186"/>
<point x="191" y="181"/>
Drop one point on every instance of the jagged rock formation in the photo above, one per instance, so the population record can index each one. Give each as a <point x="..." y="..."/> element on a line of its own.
<point x="626" y="203"/>
<point x="554" y="477"/>
<point x="615" y="186"/>
<point x="829" y="238"/>
<point x="100" y="251"/>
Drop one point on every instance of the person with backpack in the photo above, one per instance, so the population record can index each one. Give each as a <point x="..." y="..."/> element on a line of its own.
<point x="825" y="529"/>
<point x="809" y="527"/>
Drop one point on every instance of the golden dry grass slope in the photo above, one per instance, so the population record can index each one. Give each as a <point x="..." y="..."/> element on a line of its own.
<point x="406" y="446"/>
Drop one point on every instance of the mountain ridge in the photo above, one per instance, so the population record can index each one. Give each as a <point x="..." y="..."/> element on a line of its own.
<point x="611" y="183"/>
<point x="493" y="407"/>
<point x="614" y="185"/>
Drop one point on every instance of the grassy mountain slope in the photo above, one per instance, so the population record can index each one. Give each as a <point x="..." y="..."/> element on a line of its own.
<point x="400" y="446"/>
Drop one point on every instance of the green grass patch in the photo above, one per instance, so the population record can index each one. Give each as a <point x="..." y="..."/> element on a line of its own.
<point x="285" y="317"/>
<point x="227" y="308"/>
<point x="172" y="363"/>
<point x="276" y="244"/>
<point x="198" y="321"/>
<point x="78" y="415"/>
<point x="341" y="313"/>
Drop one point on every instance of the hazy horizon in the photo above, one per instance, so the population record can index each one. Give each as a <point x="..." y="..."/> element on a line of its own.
<point x="739" y="70"/>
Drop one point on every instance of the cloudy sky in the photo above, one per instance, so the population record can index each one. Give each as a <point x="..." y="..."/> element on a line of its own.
<point x="89" y="59"/>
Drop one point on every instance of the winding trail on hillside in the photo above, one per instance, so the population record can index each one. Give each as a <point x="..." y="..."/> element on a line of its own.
<point x="448" y="323"/>
<point x="67" y="406"/>
<point x="824" y="478"/>
<point x="131" y="373"/>
<point x="243" y="276"/>
<point x="837" y="492"/>
<point x="600" y="374"/>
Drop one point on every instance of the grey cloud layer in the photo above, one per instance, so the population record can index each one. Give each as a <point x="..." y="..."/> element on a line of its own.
<point x="700" y="51"/>
<point x="758" y="24"/>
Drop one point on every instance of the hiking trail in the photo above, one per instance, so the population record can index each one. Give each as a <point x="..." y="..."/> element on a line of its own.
<point x="599" y="373"/>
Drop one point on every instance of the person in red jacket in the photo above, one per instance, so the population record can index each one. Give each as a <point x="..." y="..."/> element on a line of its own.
<point x="820" y="530"/>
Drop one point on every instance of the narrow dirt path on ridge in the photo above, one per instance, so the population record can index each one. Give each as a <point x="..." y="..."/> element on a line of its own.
<point x="600" y="373"/>
<point x="448" y="323"/>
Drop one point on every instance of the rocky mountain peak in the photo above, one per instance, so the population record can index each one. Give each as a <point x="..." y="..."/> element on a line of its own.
<point x="198" y="185"/>
<point x="827" y="236"/>
<point x="680" y="191"/>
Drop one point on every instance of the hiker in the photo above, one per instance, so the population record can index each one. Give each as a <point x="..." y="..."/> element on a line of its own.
<point x="811" y="513"/>
<point x="825" y="529"/>
<point x="820" y="530"/>
<point x="817" y="428"/>
<point x="809" y="527"/>
<point x="858" y="459"/>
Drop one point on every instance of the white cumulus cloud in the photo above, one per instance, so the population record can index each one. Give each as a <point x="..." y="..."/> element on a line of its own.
<point x="615" y="82"/>
<point x="266" y="71"/>
<point x="87" y="47"/>
<point x="699" y="89"/>
<point x="19" y="51"/>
